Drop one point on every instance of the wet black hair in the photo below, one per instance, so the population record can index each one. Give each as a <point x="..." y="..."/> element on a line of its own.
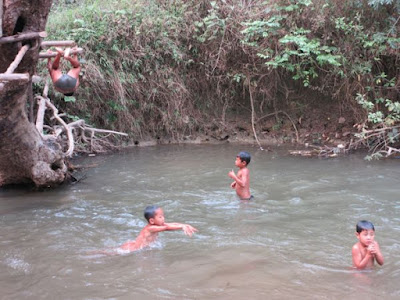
<point x="150" y="212"/>
<point x="244" y="156"/>
<point x="364" y="225"/>
<point x="69" y="94"/>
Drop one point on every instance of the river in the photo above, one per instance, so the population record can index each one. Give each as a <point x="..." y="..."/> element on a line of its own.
<point x="292" y="241"/>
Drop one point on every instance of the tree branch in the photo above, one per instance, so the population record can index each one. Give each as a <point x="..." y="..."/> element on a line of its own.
<point x="22" y="37"/>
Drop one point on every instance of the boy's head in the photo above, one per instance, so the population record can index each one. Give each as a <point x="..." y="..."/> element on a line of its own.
<point x="364" y="225"/>
<point x="365" y="232"/>
<point x="154" y="215"/>
<point x="244" y="157"/>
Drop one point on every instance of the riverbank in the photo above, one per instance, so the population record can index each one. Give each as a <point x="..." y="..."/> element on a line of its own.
<point x="316" y="128"/>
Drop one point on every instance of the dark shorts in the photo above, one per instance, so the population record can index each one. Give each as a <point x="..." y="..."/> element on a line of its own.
<point x="66" y="83"/>
<point x="251" y="197"/>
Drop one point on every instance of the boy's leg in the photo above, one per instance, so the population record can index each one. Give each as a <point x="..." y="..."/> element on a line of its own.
<point x="54" y="67"/>
<point x="76" y="66"/>
<point x="56" y="62"/>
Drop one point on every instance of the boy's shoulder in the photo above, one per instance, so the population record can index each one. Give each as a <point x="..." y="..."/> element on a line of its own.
<point x="245" y="170"/>
<point x="357" y="247"/>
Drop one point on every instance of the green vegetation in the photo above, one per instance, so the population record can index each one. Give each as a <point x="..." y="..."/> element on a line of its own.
<point x="178" y="68"/>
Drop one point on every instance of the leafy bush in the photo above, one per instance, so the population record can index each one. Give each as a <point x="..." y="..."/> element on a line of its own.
<point x="184" y="66"/>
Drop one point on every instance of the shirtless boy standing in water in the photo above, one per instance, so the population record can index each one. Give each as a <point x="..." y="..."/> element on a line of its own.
<point x="242" y="179"/>
<point x="367" y="250"/>
<point x="155" y="218"/>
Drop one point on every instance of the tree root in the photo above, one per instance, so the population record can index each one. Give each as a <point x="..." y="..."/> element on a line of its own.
<point x="76" y="136"/>
<point x="324" y="151"/>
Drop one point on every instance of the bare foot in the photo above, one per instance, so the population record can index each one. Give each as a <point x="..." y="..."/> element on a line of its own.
<point x="59" y="50"/>
<point x="66" y="54"/>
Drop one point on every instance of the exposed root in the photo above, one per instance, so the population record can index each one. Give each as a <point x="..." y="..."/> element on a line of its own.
<point x="324" y="151"/>
<point x="75" y="136"/>
<point x="382" y="141"/>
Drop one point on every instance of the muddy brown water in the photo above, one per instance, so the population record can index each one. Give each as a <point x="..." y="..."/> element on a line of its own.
<point x="292" y="241"/>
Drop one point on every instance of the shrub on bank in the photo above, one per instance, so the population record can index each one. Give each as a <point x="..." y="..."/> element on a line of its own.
<point x="174" y="68"/>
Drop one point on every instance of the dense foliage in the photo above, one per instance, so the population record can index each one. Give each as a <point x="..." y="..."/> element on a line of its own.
<point x="176" y="68"/>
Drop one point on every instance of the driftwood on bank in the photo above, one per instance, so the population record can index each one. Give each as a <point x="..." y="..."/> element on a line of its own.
<point x="74" y="131"/>
<point x="323" y="151"/>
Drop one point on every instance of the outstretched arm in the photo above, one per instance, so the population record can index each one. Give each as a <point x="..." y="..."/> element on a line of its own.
<point x="187" y="229"/>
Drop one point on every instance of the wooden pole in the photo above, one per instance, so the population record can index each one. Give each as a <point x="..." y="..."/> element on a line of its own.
<point x="53" y="54"/>
<point x="17" y="59"/>
<point x="36" y="79"/>
<point x="14" y="76"/>
<point x="22" y="37"/>
<point x="1" y="18"/>
<point x="57" y="43"/>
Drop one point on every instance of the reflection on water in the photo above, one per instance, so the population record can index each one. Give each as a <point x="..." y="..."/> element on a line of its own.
<point x="292" y="241"/>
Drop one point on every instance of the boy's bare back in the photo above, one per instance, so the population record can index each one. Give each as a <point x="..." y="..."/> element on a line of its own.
<point x="144" y="239"/>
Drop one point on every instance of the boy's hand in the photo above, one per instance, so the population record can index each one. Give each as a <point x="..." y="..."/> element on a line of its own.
<point x="188" y="230"/>
<point x="231" y="174"/>
<point x="233" y="184"/>
<point x="372" y="248"/>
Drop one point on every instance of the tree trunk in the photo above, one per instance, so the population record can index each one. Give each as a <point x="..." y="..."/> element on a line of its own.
<point x="25" y="157"/>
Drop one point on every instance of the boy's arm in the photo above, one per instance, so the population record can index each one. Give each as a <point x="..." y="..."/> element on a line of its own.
<point x="242" y="181"/>
<point x="378" y="254"/>
<point x="156" y="228"/>
<point x="187" y="229"/>
<point x="358" y="261"/>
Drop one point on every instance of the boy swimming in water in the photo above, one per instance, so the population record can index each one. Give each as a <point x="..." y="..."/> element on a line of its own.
<point x="155" y="218"/>
<point x="242" y="180"/>
<point x="367" y="250"/>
